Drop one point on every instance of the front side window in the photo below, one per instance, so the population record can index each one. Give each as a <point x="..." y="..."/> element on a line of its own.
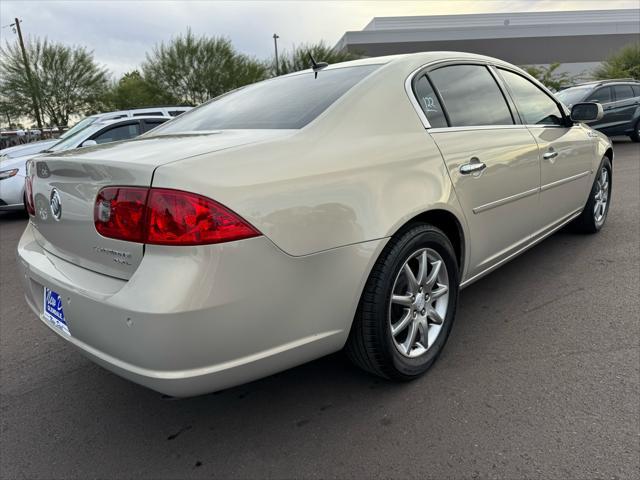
<point x="601" y="95"/>
<point x="429" y="103"/>
<point x="287" y="102"/>
<point x="534" y="105"/>
<point x="122" y="132"/>
<point x="623" y="92"/>
<point x="471" y="96"/>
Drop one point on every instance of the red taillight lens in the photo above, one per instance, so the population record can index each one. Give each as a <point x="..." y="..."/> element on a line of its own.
<point x="28" y="189"/>
<point x="28" y="194"/>
<point x="166" y="217"/>
<point x="181" y="218"/>
<point x="120" y="212"/>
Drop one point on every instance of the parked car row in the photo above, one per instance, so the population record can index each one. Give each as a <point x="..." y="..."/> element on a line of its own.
<point x="35" y="147"/>
<point x="93" y="130"/>
<point x="620" y="100"/>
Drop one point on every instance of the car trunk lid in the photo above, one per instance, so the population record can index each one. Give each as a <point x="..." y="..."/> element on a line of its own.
<point x="65" y="187"/>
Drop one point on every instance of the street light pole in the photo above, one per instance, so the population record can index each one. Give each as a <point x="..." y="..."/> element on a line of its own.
<point x="275" y="44"/>
<point x="34" y="96"/>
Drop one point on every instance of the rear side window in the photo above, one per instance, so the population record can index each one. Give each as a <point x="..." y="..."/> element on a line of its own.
<point x="287" y="102"/>
<point x="122" y="132"/>
<point x="636" y="90"/>
<point x="601" y="95"/>
<point x="623" y="92"/>
<point x="534" y="105"/>
<point x="429" y="103"/>
<point x="471" y="96"/>
<point x="175" y="113"/>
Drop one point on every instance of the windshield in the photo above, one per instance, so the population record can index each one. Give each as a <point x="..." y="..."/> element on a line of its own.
<point x="281" y="103"/>
<point x="72" y="141"/>
<point x="573" y="95"/>
<point x="85" y="122"/>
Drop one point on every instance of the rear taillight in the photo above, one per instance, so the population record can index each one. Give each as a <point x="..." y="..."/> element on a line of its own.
<point x="166" y="217"/>
<point x="120" y="212"/>
<point x="28" y="190"/>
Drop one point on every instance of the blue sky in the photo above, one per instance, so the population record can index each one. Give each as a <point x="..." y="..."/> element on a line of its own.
<point x="120" y="32"/>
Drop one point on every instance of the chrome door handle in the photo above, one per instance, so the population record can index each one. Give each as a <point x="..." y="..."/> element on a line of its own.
<point x="550" y="155"/>
<point x="474" y="166"/>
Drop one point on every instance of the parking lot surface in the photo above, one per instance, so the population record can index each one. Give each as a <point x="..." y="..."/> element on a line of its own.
<point x="540" y="378"/>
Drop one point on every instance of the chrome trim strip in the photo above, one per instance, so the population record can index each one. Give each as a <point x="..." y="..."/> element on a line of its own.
<point x="557" y="183"/>
<point x="503" y="201"/>
<point x="412" y="98"/>
<point x="534" y="240"/>
<point x="478" y="127"/>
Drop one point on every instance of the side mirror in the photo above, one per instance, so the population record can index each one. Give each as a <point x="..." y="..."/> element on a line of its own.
<point x="89" y="143"/>
<point x="586" y="112"/>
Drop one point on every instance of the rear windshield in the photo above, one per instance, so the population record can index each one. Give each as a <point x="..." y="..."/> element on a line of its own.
<point x="281" y="103"/>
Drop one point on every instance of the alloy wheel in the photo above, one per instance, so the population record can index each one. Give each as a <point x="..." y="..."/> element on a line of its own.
<point x="601" y="196"/>
<point x="419" y="302"/>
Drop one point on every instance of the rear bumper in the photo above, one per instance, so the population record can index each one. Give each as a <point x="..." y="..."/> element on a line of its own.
<point x="199" y="319"/>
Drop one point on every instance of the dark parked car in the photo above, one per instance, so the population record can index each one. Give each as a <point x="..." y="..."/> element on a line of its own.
<point x="620" y="100"/>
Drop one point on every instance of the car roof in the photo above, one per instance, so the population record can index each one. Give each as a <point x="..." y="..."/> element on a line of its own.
<point x="112" y="121"/>
<point x="143" y="109"/>
<point x="420" y="57"/>
<point x="613" y="81"/>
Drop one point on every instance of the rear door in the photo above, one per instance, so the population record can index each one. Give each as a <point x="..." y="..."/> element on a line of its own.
<point x="492" y="161"/>
<point x="603" y="96"/>
<point x="151" y="123"/>
<point x="566" y="151"/>
<point x="624" y="107"/>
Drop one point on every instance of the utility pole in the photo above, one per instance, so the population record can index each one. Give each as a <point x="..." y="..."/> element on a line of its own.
<point x="275" y="44"/>
<point x="34" y="95"/>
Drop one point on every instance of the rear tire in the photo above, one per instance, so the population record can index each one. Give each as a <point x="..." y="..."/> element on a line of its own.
<point x="635" y="136"/>
<point x="594" y="215"/>
<point x="425" y="305"/>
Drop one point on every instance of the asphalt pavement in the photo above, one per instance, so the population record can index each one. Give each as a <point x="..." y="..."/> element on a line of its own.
<point x="540" y="379"/>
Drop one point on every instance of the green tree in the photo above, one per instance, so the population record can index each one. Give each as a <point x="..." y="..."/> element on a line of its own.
<point x="552" y="79"/>
<point x="67" y="80"/>
<point x="194" y="69"/>
<point x="133" y="91"/>
<point x="298" y="58"/>
<point x="624" y="64"/>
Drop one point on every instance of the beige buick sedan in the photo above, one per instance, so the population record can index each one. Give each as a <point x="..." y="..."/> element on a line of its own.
<point x="340" y="207"/>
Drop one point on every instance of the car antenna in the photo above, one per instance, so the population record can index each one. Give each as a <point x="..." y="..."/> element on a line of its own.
<point x="317" y="66"/>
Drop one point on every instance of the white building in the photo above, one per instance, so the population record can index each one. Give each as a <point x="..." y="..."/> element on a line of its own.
<point x="580" y="40"/>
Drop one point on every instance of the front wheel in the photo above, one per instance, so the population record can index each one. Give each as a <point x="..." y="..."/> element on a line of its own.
<point x="408" y="306"/>
<point x="635" y="135"/>
<point x="592" y="218"/>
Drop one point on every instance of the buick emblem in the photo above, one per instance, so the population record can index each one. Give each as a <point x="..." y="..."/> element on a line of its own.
<point x="55" y="204"/>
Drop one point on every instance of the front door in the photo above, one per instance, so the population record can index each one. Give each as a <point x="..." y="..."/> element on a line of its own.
<point x="565" y="151"/>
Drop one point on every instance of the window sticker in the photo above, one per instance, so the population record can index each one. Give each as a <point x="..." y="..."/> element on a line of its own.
<point x="429" y="104"/>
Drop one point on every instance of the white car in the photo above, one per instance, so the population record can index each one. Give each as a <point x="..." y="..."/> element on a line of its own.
<point x="12" y="170"/>
<point x="36" y="147"/>
<point x="343" y="206"/>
